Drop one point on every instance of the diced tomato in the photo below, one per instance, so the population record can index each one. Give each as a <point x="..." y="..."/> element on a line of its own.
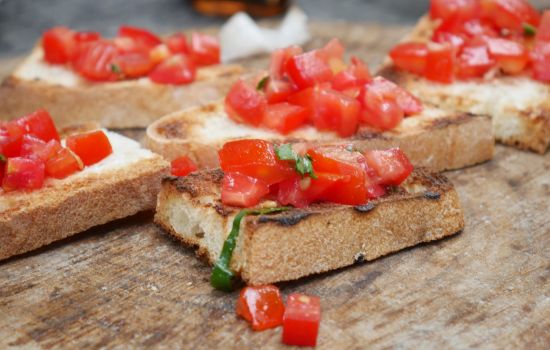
<point x="183" y="166"/>
<point x="23" y="173"/>
<point x="410" y="57"/>
<point x="277" y="90"/>
<point x="86" y="37"/>
<point x="380" y="107"/>
<point x="91" y="147"/>
<point x="63" y="163"/>
<point x="39" y="124"/>
<point x="408" y="103"/>
<point x="262" y="306"/>
<point x="333" y="54"/>
<point x="142" y="37"/>
<point x="543" y="31"/>
<point x="443" y="9"/>
<point x="308" y="69"/>
<point x="540" y="58"/>
<point x="177" y="43"/>
<point x="32" y="146"/>
<point x="359" y="69"/>
<point x="512" y="57"/>
<point x="453" y="39"/>
<point x="244" y="103"/>
<point x="392" y="166"/>
<point x="284" y="117"/>
<point x="205" y="49"/>
<point x="306" y="98"/>
<point x="59" y="45"/>
<point x="471" y="28"/>
<point x="338" y="161"/>
<point x="178" y="69"/>
<point x="242" y="191"/>
<point x="159" y="53"/>
<point x="290" y="192"/>
<point x="96" y="61"/>
<point x="135" y="64"/>
<point x="440" y="64"/>
<point x="474" y="61"/>
<point x="356" y="75"/>
<point x="279" y="60"/>
<point x="301" y="320"/>
<point x="10" y="139"/>
<point x="337" y="111"/>
<point x="510" y="14"/>
<point x="254" y="158"/>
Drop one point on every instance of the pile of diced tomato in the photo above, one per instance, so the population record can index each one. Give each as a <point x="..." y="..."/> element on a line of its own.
<point x="319" y="88"/>
<point x="133" y="53"/>
<point x="475" y="37"/>
<point x="253" y="171"/>
<point x="263" y="307"/>
<point x="31" y="151"/>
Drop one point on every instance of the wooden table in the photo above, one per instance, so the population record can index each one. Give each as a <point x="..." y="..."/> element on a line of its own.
<point x="127" y="284"/>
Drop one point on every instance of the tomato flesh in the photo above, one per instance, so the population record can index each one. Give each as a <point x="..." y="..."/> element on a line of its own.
<point x="510" y="14"/>
<point x="443" y="9"/>
<point x="262" y="306"/>
<point x="135" y="64"/>
<point x="182" y="166"/>
<point x="474" y="61"/>
<point x="392" y="166"/>
<point x="91" y="147"/>
<point x="512" y="57"/>
<point x="141" y="36"/>
<point x="39" y="124"/>
<point x="244" y="103"/>
<point x="177" y="43"/>
<point x="242" y="191"/>
<point x="23" y="174"/>
<point x="177" y="70"/>
<point x="96" y="61"/>
<point x="308" y="69"/>
<point x="63" y="163"/>
<point x="59" y="45"/>
<point x="32" y="146"/>
<point x="284" y="117"/>
<point x="440" y="64"/>
<point x="410" y="57"/>
<point x="205" y="49"/>
<point x="279" y="59"/>
<point x="301" y="320"/>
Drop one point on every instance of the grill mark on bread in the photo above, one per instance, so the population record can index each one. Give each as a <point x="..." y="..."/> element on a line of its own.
<point x="366" y="208"/>
<point x="286" y="219"/>
<point x="172" y="129"/>
<point x="456" y="119"/>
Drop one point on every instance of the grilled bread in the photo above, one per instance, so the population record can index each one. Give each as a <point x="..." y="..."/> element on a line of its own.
<point x="132" y="103"/>
<point x="519" y="106"/>
<point x="124" y="183"/>
<point x="302" y="242"/>
<point x="435" y="138"/>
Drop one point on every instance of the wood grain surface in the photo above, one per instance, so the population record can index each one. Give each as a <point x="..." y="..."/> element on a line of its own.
<point x="127" y="284"/>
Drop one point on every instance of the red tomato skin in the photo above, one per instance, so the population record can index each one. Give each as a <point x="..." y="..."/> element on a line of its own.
<point x="356" y="75"/>
<point x="255" y="158"/>
<point x="510" y="14"/>
<point x="85" y="37"/>
<point x="32" y="146"/>
<point x="205" y="49"/>
<point x="59" y="45"/>
<point x="440" y="64"/>
<point x="245" y="104"/>
<point x="301" y="320"/>
<point x="284" y="117"/>
<point x="278" y="90"/>
<point x="308" y="69"/>
<point x="262" y="306"/>
<point x="455" y="40"/>
<point x="279" y="60"/>
<point x="177" y="43"/>
<point x="540" y="58"/>
<point x="176" y="70"/>
<point x="182" y="166"/>
<point x="141" y="36"/>
<point x="91" y="147"/>
<point x="289" y="192"/>
<point x="474" y="61"/>
<point x="11" y="135"/>
<point x="391" y="166"/>
<point x="39" y="124"/>
<point x="511" y="56"/>
<point x="409" y="103"/>
<point x="244" y="191"/>
<point x="443" y="9"/>
<point x="95" y="61"/>
<point x="410" y="57"/>
<point x="135" y="64"/>
<point x="23" y="174"/>
<point x="543" y="31"/>
<point x="63" y="163"/>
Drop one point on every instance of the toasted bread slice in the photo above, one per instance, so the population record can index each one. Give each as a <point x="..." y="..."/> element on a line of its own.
<point x="518" y="105"/>
<point x="435" y="138"/>
<point x="121" y="185"/>
<point x="302" y="242"/>
<point x="132" y="103"/>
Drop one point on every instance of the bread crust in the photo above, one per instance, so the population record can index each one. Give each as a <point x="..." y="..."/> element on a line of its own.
<point x="320" y="238"/>
<point x="447" y="141"/>
<point x="524" y="125"/>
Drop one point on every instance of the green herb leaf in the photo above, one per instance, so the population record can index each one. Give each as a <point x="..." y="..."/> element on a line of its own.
<point x="262" y="83"/>
<point x="222" y="277"/>
<point x="528" y="29"/>
<point x="303" y="164"/>
<point x="115" y="68"/>
<point x="2" y="158"/>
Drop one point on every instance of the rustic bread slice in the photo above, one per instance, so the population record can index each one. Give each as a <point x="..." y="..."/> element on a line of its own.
<point x="301" y="242"/>
<point x="121" y="185"/>
<point x="133" y="103"/>
<point x="436" y="138"/>
<point x="519" y="106"/>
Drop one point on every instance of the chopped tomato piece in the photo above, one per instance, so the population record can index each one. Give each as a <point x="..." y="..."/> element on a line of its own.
<point x="177" y="43"/>
<point x="356" y="75"/>
<point x="409" y="103"/>
<point x="183" y="166"/>
<point x="86" y="37"/>
<point x="178" y="69"/>
<point x="440" y="64"/>
<point x="301" y="320"/>
<point x="254" y="158"/>
<point x="39" y="124"/>
<point x="381" y="108"/>
<point x="244" y="103"/>
<point x="511" y="56"/>
<point x="63" y="163"/>
<point x="510" y="14"/>
<point x="262" y="306"/>
<point x="242" y="191"/>
<point x="10" y="139"/>
<point x="474" y="61"/>
<point x="145" y="39"/>
<point x="336" y="111"/>
<point x="205" y="49"/>
<point x="279" y="60"/>
<point x="2" y="168"/>
<point x="308" y="69"/>
<point x="291" y="192"/>
<point x="464" y="9"/>
<point x="96" y="61"/>
<point x="91" y="147"/>
<point x="456" y="40"/>
<point x="540" y="57"/>
<point x="410" y="57"/>
<point x="23" y="173"/>
<point x="333" y="54"/>
<point x="277" y="90"/>
<point x="32" y="146"/>
<point x="135" y="64"/>
<point x="284" y="117"/>
<point x="391" y="166"/>
<point x="543" y="31"/>
<point x="59" y="45"/>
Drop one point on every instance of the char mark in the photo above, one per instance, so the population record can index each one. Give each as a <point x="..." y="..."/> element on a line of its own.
<point x="290" y="218"/>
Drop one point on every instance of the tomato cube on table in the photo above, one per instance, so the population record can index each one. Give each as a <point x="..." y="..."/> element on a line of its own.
<point x="91" y="147"/>
<point x="301" y="320"/>
<point x="262" y="306"/>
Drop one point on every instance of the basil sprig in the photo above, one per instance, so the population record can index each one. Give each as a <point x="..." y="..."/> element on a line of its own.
<point x="262" y="83"/>
<point x="2" y="158"/>
<point x="303" y="163"/>
<point x="222" y="277"/>
<point x="529" y="29"/>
